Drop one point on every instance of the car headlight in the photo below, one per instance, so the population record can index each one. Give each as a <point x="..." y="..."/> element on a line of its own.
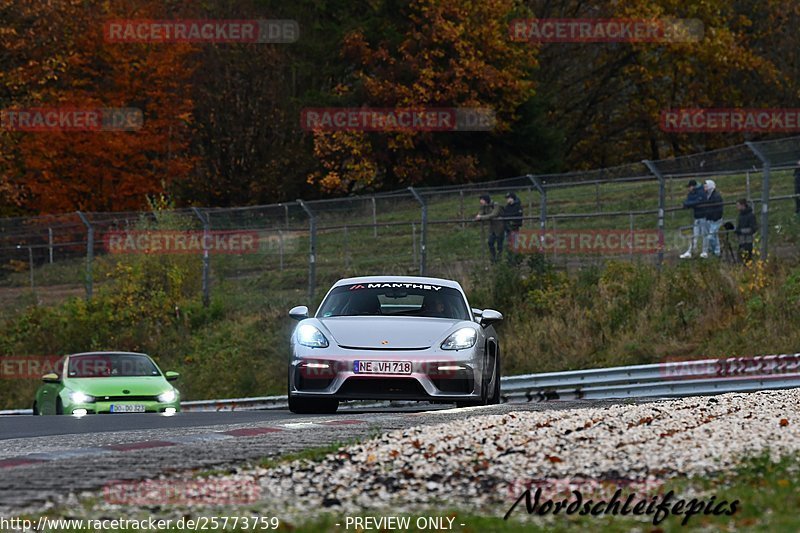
<point x="168" y="396"/>
<point x="80" y="397"/>
<point x="308" y="335"/>
<point x="460" y="340"/>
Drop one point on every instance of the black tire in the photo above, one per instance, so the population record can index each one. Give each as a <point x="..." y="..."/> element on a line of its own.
<point x="494" y="397"/>
<point x="487" y="397"/>
<point x="36" y="409"/>
<point x="59" y="407"/>
<point x="312" y="406"/>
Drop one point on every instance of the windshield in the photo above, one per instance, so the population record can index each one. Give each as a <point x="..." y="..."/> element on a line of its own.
<point x="111" y="365"/>
<point x="395" y="299"/>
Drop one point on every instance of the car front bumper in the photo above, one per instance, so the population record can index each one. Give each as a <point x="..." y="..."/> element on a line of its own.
<point x="437" y="375"/>
<point x="106" y="407"/>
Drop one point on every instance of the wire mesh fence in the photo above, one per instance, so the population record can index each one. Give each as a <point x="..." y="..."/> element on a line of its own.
<point x="631" y="212"/>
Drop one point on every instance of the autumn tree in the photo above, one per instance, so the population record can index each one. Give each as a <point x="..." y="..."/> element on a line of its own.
<point x="73" y="66"/>
<point x="426" y="54"/>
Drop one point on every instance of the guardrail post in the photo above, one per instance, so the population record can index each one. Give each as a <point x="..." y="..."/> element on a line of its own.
<point x="89" y="282"/>
<point x="312" y="249"/>
<point x="423" y="238"/>
<point x="542" y="200"/>
<point x="206" y="256"/>
<point x="662" y="200"/>
<point x="766" y="167"/>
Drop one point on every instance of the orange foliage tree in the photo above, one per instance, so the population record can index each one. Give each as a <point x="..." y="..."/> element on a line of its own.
<point x="434" y="54"/>
<point x="63" y="61"/>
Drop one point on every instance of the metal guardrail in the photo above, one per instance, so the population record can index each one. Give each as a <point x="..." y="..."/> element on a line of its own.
<point x="662" y="380"/>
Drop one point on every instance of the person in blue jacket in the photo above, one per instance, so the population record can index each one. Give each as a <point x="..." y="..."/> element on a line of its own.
<point x="695" y="200"/>
<point x="713" y="210"/>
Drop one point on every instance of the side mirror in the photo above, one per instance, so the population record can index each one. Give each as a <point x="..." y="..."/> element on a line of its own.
<point x="299" y="313"/>
<point x="476" y="313"/>
<point x="51" y="378"/>
<point x="171" y="376"/>
<point x="490" y="316"/>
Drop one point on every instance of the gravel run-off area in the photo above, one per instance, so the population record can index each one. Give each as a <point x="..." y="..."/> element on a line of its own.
<point x="484" y="461"/>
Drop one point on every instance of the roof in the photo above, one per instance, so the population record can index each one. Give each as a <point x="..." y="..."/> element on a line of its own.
<point x="400" y="279"/>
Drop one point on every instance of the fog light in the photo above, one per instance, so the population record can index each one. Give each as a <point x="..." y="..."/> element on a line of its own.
<point x="79" y="412"/>
<point x="169" y="411"/>
<point x="451" y="368"/>
<point x="316" y="365"/>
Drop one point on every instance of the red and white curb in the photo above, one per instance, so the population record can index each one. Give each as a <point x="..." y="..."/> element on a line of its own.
<point x="43" y="457"/>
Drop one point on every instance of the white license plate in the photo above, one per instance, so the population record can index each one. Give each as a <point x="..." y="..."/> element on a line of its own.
<point x="127" y="408"/>
<point x="382" y="367"/>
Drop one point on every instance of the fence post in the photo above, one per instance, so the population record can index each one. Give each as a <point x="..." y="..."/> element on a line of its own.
<point x="89" y="254"/>
<point x="50" y="243"/>
<point x="542" y="200"/>
<point x="206" y="256"/>
<point x="312" y="249"/>
<point x="286" y="214"/>
<point x="30" y="264"/>
<point x="423" y="238"/>
<point x="374" y="218"/>
<point x="280" y="248"/>
<point x="765" y="169"/>
<point x="461" y="208"/>
<point x="662" y="200"/>
<point x="346" y="249"/>
<point x="414" y="243"/>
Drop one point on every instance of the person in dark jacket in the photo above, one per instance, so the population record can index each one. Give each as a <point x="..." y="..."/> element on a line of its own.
<point x="512" y="216"/>
<point x="492" y="212"/>
<point x="746" y="228"/>
<point x="695" y="200"/>
<point x="797" y="189"/>
<point x="713" y="209"/>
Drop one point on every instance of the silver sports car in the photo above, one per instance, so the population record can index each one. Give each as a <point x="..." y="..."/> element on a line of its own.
<point x="393" y="338"/>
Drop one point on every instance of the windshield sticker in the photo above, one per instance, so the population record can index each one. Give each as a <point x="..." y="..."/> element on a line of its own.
<point x="396" y="286"/>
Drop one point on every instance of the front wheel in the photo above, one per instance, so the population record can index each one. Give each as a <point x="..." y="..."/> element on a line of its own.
<point x="488" y="397"/>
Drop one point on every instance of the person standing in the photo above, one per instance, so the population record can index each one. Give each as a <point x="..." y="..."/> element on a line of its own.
<point x="512" y="217"/>
<point x="714" y="209"/>
<point x="695" y="200"/>
<point x="492" y="212"/>
<point x="746" y="227"/>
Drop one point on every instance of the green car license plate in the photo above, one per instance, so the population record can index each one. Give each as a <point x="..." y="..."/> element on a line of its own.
<point x="127" y="408"/>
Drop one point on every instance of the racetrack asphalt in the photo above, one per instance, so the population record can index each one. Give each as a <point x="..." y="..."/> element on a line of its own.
<point x="44" y="459"/>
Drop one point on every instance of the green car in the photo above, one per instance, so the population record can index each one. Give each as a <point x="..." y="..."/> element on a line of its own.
<point x="107" y="382"/>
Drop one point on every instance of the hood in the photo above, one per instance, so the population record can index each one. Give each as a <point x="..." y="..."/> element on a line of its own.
<point x="113" y="386"/>
<point x="388" y="333"/>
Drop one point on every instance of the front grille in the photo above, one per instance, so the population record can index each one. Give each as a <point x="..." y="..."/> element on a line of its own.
<point x="382" y="388"/>
<point x="127" y="398"/>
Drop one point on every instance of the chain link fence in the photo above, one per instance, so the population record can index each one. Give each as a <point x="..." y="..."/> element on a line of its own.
<point x="301" y="247"/>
